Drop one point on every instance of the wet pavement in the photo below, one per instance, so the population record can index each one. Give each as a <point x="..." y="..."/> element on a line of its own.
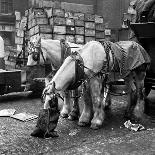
<point x="112" y="139"/>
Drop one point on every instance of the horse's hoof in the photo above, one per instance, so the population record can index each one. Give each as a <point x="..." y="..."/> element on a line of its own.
<point x="95" y="126"/>
<point x="64" y="115"/>
<point x="38" y="133"/>
<point x="83" y="124"/>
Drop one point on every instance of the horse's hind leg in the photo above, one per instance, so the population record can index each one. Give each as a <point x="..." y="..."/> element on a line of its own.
<point x="139" y="107"/>
<point x="131" y="96"/>
<point x="66" y="105"/>
<point x="75" y="112"/>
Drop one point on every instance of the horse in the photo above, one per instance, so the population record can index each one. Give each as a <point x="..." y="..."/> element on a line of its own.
<point x="99" y="64"/>
<point x="48" y="51"/>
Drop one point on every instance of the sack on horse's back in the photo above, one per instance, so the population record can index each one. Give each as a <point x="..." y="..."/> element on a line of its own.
<point x="47" y="122"/>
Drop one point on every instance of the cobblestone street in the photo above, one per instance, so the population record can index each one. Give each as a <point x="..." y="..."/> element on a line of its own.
<point x="112" y="139"/>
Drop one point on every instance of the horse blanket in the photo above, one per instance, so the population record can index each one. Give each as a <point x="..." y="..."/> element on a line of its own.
<point x="127" y="56"/>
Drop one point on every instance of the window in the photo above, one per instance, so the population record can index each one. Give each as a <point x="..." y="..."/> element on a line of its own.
<point x="6" y="6"/>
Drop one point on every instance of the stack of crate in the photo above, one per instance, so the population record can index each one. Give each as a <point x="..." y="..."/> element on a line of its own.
<point x="38" y="24"/>
<point x="89" y="27"/>
<point x="56" y="23"/>
<point x="99" y="28"/>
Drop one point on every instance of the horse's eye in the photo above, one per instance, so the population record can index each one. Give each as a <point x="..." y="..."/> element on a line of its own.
<point x="35" y="56"/>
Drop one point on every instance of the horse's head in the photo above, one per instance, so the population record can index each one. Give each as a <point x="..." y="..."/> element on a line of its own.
<point x="35" y="54"/>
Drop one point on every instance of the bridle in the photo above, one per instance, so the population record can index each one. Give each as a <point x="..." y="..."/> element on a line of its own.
<point x="36" y="55"/>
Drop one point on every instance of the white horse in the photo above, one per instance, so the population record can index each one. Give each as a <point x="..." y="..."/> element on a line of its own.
<point x="101" y="64"/>
<point x="54" y="52"/>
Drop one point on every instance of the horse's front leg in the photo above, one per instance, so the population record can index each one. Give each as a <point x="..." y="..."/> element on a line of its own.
<point x="87" y="112"/>
<point x="98" y="105"/>
<point x="66" y="105"/>
<point x="75" y="112"/>
<point x="139" y="107"/>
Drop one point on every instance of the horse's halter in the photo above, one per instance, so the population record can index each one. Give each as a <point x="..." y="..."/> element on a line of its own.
<point x="36" y="54"/>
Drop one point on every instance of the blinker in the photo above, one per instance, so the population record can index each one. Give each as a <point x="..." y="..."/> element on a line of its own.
<point x="35" y="56"/>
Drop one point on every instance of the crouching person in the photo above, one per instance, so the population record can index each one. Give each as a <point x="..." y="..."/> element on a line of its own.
<point x="48" y="118"/>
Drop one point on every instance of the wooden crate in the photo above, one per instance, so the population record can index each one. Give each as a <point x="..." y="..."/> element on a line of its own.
<point x="43" y="29"/>
<point x="70" y="38"/>
<point x="79" y="30"/>
<point x="98" y="19"/>
<point x="46" y="36"/>
<point x="58" y="12"/>
<point x="89" y="32"/>
<point x="70" y="21"/>
<point x="57" y="21"/>
<point x="19" y="33"/>
<point x="69" y="15"/>
<point x="79" y="23"/>
<point x="17" y="24"/>
<point x="59" y="36"/>
<point x="18" y="40"/>
<point x="70" y="30"/>
<point x="59" y="29"/>
<point x="87" y="39"/>
<point x="90" y="25"/>
<point x="39" y="21"/>
<point x="79" y="39"/>
<point x="89" y="17"/>
<point x="99" y="26"/>
<point x="79" y="16"/>
<point x="100" y="34"/>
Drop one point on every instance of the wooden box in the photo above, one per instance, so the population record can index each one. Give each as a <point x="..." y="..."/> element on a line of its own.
<point x="18" y="40"/>
<point x="70" y="21"/>
<point x="46" y="36"/>
<point x="58" y="12"/>
<point x="70" y="30"/>
<point x="59" y="36"/>
<point x="98" y="19"/>
<point x="43" y="29"/>
<point x="80" y="30"/>
<point x="70" y="38"/>
<point x="99" y="26"/>
<point x="69" y="15"/>
<point x="79" y="16"/>
<point x="90" y="25"/>
<point x="89" y="17"/>
<point x="87" y="39"/>
<point x="100" y="34"/>
<point x="89" y="32"/>
<point x="59" y="29"/>
<point x="79" y="23"/>
<point x="39" y="21"/>
<point x="19" y="33"/>
<point x="79" y="39"/>
<point x="57" y="21"/>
